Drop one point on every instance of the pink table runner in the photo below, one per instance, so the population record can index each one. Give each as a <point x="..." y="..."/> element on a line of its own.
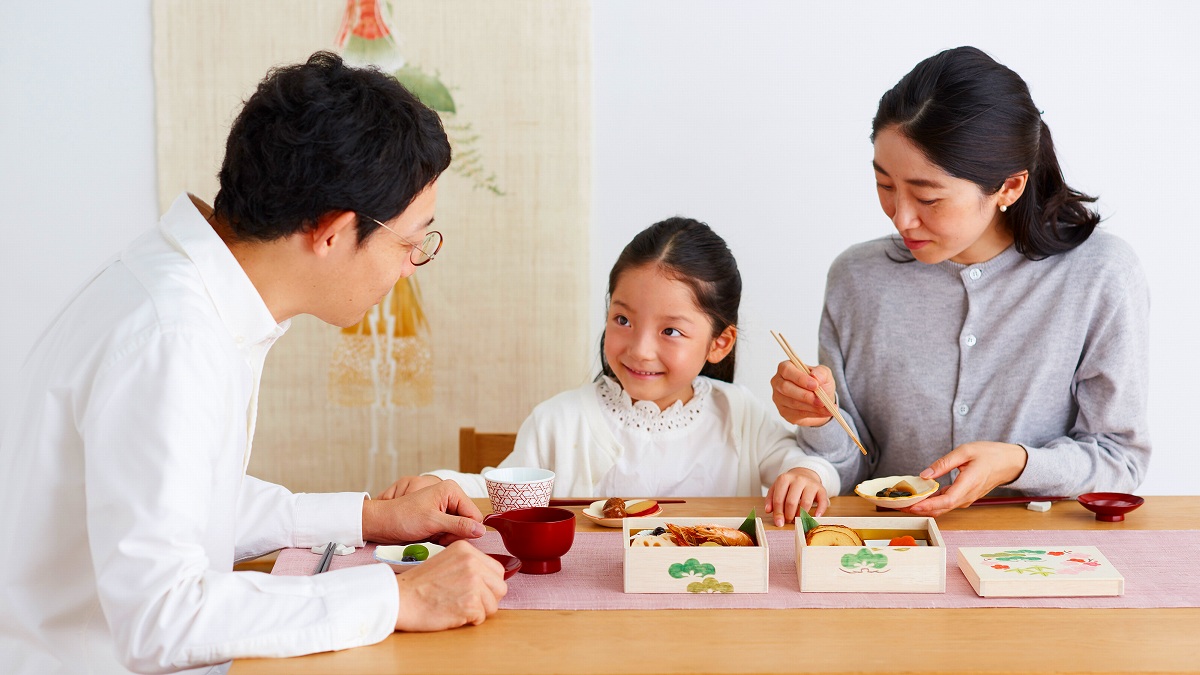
<point x="1159" y="567"/>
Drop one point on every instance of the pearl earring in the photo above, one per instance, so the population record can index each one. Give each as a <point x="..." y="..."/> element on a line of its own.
<point x="1003" y="208"/>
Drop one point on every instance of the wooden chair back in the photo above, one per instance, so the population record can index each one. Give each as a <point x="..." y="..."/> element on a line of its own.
<point x="476" y="451"/>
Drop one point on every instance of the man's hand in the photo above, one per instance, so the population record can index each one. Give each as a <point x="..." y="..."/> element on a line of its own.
<point x="795" y="394"/>
<point x="407" y="485"/>
<point x="441" y="513"/>
<point x="458" y="586"/>
<point x="793" y="490"/>
<point x="982" y="465"/>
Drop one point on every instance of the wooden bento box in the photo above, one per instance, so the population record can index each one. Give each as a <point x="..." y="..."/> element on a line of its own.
<point x="695" y="569"/>
<point x="876" y="567"/>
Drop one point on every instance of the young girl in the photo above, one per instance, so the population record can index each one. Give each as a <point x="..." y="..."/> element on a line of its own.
<point x="1000" y="335"/>
<point x="664" y="419"/>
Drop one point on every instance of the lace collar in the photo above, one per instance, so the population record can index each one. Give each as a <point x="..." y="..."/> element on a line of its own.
<point x="645" y="415"/>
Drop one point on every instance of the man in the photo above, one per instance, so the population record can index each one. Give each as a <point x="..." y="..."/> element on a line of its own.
<point x="122" y="469"/>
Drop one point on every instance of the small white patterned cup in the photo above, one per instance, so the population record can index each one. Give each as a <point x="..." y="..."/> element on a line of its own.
<point x="519" y="488"/>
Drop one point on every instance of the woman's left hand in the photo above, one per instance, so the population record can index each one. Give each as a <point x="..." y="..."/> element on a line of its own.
<point x="981" y="465"/>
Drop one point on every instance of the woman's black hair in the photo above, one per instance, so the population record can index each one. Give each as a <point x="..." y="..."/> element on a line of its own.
<point x="691" y="252"/>
<point x="975" y="119"/>
<point x="323" y="136"/>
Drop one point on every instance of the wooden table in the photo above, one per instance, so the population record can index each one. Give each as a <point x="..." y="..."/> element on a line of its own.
<point x="992" y="640"/>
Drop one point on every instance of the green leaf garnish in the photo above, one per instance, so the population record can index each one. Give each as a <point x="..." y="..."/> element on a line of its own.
<point x="747" y="526"/>
<point x="807" y="521"/>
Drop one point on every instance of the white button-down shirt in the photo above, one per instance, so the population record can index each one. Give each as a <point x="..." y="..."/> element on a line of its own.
<point x="123" y="496"/>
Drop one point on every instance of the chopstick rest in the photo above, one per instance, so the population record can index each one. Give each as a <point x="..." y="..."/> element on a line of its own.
<point x="341" y="549"/>
<point x="327" y="552"/>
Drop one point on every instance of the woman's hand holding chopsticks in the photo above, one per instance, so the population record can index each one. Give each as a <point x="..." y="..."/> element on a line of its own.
<point x="794" y="393"/>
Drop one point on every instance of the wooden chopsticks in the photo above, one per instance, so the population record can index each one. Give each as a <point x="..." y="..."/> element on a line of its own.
<point x="829" y="404"/>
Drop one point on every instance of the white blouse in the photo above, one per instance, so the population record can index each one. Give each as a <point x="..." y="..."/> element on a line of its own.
<point x="683" y="450"/>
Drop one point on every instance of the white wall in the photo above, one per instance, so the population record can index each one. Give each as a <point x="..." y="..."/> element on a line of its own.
<point x="752" y="117"/>
<point x="77" y="177"/>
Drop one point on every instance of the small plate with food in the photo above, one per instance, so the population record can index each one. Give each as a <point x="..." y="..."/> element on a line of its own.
<point x="610" y="512"/>
<point x="405" y="555"/>
<point x="408" y="555"/>
<point x="896" y="492"/>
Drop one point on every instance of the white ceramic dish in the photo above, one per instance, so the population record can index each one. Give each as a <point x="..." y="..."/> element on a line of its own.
<point x="392" y="554"/>
<point x="868" y="488"/>
<point x="595" y="512"/>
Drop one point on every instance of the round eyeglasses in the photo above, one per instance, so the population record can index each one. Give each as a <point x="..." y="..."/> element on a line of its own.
<point x="421" y="253"/>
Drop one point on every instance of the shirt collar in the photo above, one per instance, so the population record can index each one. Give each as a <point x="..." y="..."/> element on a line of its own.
<point x="645" y="416"/>
<point x="1001" y="262"/>
<point x="233" y="294"/>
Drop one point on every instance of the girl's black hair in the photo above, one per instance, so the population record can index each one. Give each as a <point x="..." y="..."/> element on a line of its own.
<point x="694" y="254"/>
<point x="975" y="119"/>
<point x="322" y="136"/>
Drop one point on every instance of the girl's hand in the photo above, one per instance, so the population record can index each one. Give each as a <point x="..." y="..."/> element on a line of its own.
<point x="408" y="485"/>
<point x="794" y="394"/>
<point x="981" y="465"/>
<point x="796" y="489"/>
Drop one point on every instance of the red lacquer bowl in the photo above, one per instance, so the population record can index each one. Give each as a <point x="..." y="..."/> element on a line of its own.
<point x="1110" y="507"/>
<point x="539" y="536"/>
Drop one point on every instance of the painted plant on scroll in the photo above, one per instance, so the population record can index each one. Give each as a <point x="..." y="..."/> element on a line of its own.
<point x="385" y="361"/>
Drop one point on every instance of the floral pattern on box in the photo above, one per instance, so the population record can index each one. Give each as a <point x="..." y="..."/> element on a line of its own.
<point x="1048" y="562"/>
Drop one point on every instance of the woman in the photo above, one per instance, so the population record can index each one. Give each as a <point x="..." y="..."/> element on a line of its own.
<point x="998" y="336"/>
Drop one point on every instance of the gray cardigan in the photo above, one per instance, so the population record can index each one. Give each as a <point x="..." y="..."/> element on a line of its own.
<point x="1049" y="354"/>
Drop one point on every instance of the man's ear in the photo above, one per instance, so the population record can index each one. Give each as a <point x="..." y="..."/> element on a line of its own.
<point x="333" y="230"/>
<point x="722" y="344"/>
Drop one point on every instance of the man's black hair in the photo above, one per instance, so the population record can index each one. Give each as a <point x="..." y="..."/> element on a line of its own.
<point x="323" y="136"/>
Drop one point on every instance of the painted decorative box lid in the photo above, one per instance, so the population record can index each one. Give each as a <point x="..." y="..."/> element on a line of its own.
<point x="1039" y="571"/>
